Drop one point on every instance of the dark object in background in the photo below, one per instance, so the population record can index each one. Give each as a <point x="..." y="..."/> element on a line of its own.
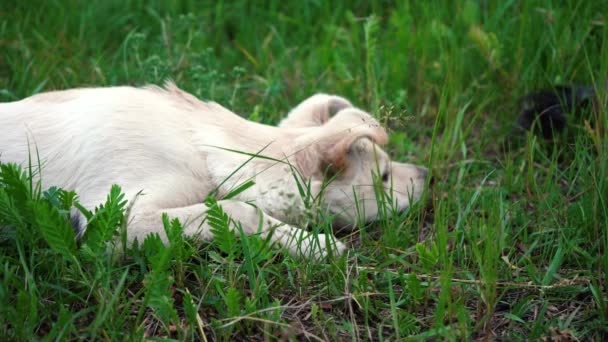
<point x="545" y="112"/>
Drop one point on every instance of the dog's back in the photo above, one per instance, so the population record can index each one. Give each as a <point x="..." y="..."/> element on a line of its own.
<point x="86" y="139"/>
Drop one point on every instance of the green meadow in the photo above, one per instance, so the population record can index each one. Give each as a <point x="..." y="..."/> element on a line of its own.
<point x="509" y="242"/>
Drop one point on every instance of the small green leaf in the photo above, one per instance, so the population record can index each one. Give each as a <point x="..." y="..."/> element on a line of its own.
<point x="553" y="266"/>
<point x="428" y="256"/>
<point x="190" y="309"/>
<point x="232" y="298"/>
<point x="514" y="318"/>
<point x="415" y="286"/>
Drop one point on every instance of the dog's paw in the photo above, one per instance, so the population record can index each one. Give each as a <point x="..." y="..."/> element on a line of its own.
<point x="318" y="247"/>
<point x="332" y="246"/>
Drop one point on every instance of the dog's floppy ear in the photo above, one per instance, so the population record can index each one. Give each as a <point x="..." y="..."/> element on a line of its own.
<point x="315" y="111"/>
<point x="333" y="141"/>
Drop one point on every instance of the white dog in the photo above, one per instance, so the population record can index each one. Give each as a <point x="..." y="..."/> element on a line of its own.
<point x="174" y="150"/>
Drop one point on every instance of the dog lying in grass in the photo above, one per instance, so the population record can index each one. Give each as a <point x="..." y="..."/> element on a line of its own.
<point x="169" y="151"/>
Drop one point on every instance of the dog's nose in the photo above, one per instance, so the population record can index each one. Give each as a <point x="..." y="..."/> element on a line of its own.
<point x="423" y="172"/>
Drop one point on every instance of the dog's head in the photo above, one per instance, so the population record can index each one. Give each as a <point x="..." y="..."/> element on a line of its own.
<point x="357" y="177"/>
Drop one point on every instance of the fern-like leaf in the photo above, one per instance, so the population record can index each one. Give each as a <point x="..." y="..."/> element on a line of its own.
<point x="232" y="298"/>
<point x="104" y="223"/>
<point x="55" y="228"/>
<point x="220" y="224"/>
<point x="159" y="280"/>
<point x="15" y="195"/>
<point x="10" y="215"/>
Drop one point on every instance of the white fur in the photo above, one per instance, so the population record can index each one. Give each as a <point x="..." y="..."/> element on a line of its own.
<point x="175" y="150"/>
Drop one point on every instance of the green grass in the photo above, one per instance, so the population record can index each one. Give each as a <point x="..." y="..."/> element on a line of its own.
<point x="512" y="243"/>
